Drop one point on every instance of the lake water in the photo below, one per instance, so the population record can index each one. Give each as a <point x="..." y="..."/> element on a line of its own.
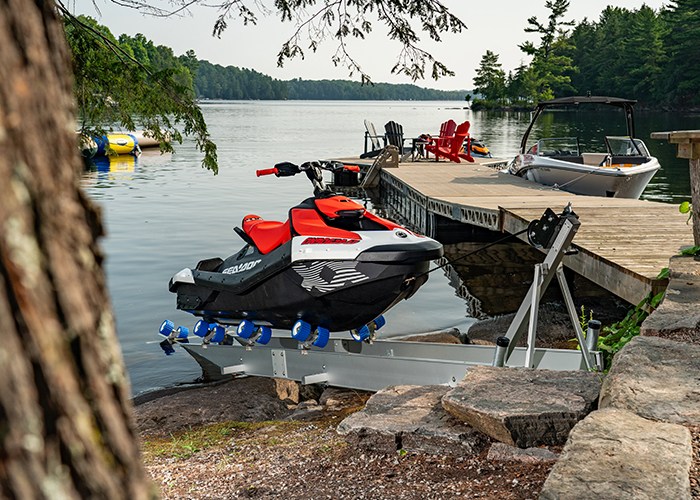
<point x="164" y="212"/>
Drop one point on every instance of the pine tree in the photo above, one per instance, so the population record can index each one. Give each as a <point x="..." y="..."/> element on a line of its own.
<point x="490" y="80"/>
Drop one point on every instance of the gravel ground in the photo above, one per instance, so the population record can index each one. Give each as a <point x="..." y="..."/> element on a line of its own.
<point x="303" y="459"/>
<point x="236" y="440"/>
<point x="309" y="460"/>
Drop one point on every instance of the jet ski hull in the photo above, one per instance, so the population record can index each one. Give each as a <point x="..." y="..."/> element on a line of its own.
<point x="277" y="289"/>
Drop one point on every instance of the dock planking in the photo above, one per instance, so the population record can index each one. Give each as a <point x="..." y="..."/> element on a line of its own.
<point x="622" y="244"/>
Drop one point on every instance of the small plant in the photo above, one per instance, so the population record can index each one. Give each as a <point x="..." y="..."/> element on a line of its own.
<point x="692" y="251"/>
<point x="616" y="336"/>
<point x="686" y="208"/>
<point x="584" y="319"/>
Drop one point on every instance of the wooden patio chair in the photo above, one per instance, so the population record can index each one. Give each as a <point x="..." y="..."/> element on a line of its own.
<point x="394" y="136"/>
<point x="377" y="142"/>
<point x="451" y="148"/>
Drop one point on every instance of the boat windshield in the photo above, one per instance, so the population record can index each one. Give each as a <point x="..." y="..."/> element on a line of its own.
<point x="556" y="146"/>
<point x="625" y="146"/>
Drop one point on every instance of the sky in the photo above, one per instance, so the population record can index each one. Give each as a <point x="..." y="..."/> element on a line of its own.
<point x="496" y="25"/>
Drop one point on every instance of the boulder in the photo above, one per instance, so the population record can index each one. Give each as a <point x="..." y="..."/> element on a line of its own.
<point x="678" y="317"/>
<point x="500" y="452"/>
<point x="655" y="378"/>
<point x="521" y="406"/>
<point x="616" y="454"/>
<point x="335" y="398"/>
<point x="248" y="399"/>
<point x="287" y="390"/>
<point x="410" y="418"/>
<point x="307" y="410"/>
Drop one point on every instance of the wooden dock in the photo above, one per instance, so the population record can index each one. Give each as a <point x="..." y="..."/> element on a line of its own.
<point x="623" y="244"/>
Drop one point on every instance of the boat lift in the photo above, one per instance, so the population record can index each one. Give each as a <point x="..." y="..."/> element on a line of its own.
<point x="377" y="363"/>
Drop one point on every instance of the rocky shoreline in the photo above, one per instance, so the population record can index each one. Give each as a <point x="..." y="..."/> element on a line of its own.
<point x="268" y="444"/>
<point x="501" y="433"/>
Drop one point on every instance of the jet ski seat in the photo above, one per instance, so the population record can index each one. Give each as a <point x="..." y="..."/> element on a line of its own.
<point x="266" y="234"/>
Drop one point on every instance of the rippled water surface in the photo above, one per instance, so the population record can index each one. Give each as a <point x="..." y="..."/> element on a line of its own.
<point x="164" y="212"/>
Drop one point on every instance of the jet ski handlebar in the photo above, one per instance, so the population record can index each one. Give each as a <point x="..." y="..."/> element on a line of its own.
<point x="286" y="168"/>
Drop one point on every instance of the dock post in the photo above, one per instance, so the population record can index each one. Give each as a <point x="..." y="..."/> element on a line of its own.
<point x="688" y="142"/>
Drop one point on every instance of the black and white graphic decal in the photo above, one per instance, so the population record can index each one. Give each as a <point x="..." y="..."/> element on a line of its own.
<point x="327" y="276"/>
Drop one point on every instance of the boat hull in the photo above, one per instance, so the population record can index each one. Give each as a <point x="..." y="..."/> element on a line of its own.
<point x="607" y="181"/>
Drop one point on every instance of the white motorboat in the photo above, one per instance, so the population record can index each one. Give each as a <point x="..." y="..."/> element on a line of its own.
<point x="622" y="168"/>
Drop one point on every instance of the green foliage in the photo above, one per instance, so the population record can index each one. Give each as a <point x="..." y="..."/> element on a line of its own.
<point x="551" y="60"/>
<point x="132" y="84"/>
<point x="639" y="53"/>
<point x="217" y="82"/>
<point x="584" y="318"/>
<point x="490" y="80"/>
<point x="681" y="83"/>
<point x="616" y="336"/>
<point x="686" y="208"/>
<point x="347" y="90"/>
<point x="691" y="251"/>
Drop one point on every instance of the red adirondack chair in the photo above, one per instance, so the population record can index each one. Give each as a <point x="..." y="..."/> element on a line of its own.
<point x="447" y="131"/>
<point x="451" y="147"/>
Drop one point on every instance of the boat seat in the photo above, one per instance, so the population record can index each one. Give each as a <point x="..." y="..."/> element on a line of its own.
<point x="308" y="222"/>
<point x="266" y="234"/>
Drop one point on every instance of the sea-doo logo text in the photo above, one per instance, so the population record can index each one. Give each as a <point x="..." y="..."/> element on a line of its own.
<point x="330" y="241"/>
<point x="239" y="268"/>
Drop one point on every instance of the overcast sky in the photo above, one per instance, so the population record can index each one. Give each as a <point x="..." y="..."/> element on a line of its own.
<point x="495" y="25"/>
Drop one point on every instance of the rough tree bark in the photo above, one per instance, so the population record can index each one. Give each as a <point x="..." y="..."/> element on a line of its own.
<point x="695" y="197"/>
<point x="65" y="415"/>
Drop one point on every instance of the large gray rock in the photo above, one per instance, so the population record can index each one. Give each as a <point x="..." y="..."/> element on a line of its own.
<point x="501" y="452"/>
<point x="657" y="379"/>
<point x="678" y="316"/>
<point x="616" y="454"/>
<point x="521" y="406"/>
<point x="410" y="418"/>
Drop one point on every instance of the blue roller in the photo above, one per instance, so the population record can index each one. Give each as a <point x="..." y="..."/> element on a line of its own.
<point x="322" y="337"/>
<point x="301" y="330"/>
<point x="201" y="328"/>
<point x="361" y="334"/>
<point x="265" y="335"/>
<point x="379" y="321"/>
<point x="219" y="334"/>
<point x="183" y="332"/>
<point x="166" y="328"/>
<point x="245" y="329"/>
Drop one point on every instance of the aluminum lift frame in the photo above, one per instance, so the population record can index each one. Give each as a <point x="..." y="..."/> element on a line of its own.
<point x="381" y="363"/>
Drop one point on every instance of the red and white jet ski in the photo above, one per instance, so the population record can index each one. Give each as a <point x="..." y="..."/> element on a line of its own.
<point x="331" y="266"/>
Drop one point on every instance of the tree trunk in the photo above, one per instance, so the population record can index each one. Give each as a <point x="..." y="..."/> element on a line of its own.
<point x="65" y="415"/>
<point x="695" y="197"/>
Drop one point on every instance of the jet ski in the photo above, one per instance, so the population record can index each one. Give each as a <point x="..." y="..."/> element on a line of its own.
<point x="478" y="149"/>
<point x="332" y="266"/>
